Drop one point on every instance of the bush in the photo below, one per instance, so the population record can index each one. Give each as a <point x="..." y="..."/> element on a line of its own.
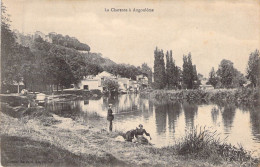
<point x="205" y="144"/>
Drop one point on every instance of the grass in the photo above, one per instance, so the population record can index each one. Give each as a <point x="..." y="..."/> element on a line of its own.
<point x="202" y="143"/>
<point x="22" y="151"/>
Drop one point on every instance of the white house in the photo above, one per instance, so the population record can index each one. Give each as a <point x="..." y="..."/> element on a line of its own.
<point x="90" y="84"/>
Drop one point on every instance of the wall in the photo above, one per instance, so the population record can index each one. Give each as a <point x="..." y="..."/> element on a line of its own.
<point x="92" y="84"/>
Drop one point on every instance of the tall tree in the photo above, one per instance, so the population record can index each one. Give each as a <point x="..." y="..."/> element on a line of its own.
<point x="253" y="68"/>
<point x="226" y="73"/>
<point x="195" y="81"/>
<point x="172" y="72"/>
<point x="159" y="69"/>
<point x="168" y="71"/>
<point x="14" y="57"/>
<point x="188" y="72"/>
<point x="213" y="80"/>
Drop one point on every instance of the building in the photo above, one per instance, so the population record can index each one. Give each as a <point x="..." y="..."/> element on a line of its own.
<point x="90" y="84"/>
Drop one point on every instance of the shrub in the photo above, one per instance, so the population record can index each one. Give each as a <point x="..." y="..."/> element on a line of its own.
<point x="205" y="144"/>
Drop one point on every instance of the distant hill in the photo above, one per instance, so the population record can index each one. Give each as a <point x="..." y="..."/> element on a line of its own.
<point x="58" y="39"/>
<point x="80" y="60"/>
<point x="41" y="44"/>
<point x="67" y="41"/>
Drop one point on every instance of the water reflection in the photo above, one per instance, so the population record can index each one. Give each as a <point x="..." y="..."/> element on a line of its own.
<point x="228" y="115"/>
<point x="214" y="114"/>
<point x="255" y="124"/>
<point x="190" y="110"/>
<point x="166" y="121"/>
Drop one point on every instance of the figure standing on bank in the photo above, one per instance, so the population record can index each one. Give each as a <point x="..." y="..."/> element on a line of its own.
<point x="110" y="117"/>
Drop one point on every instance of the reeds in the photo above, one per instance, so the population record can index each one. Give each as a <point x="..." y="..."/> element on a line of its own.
<point x="206" y="144"/>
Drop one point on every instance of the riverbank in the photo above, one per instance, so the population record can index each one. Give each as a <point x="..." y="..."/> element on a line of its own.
<point x="35" y="136"/>
<point x="245" y="96"/>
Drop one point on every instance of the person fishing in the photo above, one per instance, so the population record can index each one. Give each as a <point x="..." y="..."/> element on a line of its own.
<point x="110" y="117"/>
<point x="139" y="135"/>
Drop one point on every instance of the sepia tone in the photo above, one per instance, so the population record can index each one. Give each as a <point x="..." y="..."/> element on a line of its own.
<point x="130" y="83"/>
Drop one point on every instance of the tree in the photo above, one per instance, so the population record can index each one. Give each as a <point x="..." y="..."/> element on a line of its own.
<point x="172" y="72"/>
<point x="7" y="48"/>
<point x="58" y="72"/>
<point x="239" y="79"/>
<point x="159" y="69"/>
<point x="253" y="68"/>
<point x="111" y="85"/>
<point x="147" y="71"/>
<point x="195" y="81"/>
<point x="14" y="57"/>
<point x="189" y="72"/>
<point x="226" y="73"/>
<point x="213" y="80"/>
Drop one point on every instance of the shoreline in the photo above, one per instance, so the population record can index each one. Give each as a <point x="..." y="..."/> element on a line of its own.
<point x="91" y="145"/>
<point x="245" y="96"/>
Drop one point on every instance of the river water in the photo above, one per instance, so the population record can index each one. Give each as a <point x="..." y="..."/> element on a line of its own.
<point x="167" y="122"/>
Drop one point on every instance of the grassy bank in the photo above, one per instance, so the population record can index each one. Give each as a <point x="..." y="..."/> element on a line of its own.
<point x="34" y="136"/>
<point x="243" y="95"/>
<point x="202" y="143"/>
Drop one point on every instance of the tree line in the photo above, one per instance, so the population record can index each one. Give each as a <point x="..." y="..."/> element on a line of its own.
<point x="68" y="41"/>
<point x="44" y="66"/>
<point x="227" y="76"/>
<point x="169" y="76"/>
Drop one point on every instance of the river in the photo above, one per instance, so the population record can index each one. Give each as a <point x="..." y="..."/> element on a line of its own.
<point x="167" y="122"/>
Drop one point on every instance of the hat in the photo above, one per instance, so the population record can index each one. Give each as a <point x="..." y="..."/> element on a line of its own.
<point x="140" y="125"/>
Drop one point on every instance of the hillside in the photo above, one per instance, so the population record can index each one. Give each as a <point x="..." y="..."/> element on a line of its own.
<point x="48" y="43"/>
<point x="42" y="64"/>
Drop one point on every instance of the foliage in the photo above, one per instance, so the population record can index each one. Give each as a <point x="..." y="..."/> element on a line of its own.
<point x="124" y="70"/>
<point x="67" y="41"/>
<point x="172" y="72"/>
<point x="14" y="57"/>
<point x="213" y="80"/>
<point x="111" y="85"/>
<point x="58" y="71"/>
<point x="225" y="72"/>
<point x="189" y="72"/>
<point x="245" y="96"/>
<point x="253" y="68"/>
<point x="159" y="69"/>
<point x="147" y="71"/>
<point x="229" y="76"/>
<point x="204" y="143"/>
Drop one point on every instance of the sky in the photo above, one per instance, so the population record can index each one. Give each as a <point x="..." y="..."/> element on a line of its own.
<point x="209" y="30"/>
